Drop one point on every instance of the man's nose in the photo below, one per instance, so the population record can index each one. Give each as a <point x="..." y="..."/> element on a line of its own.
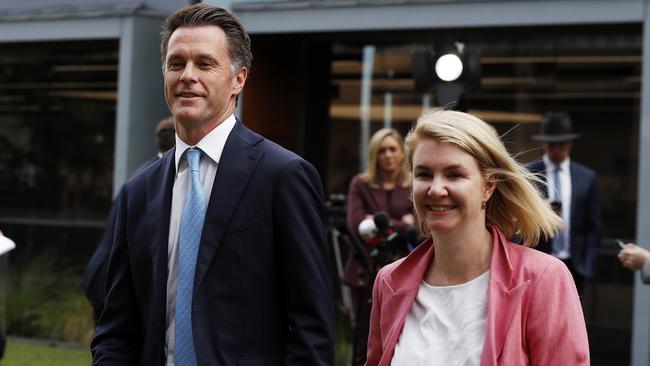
<point x="189" y="73"/>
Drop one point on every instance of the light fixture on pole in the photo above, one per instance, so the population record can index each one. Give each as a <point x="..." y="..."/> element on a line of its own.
<point x="450" y="73"/>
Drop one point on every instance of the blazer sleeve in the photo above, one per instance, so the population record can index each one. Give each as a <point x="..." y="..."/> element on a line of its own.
<point x="93" y="281"/>
<point x="555" y="327"/>
<point x="118" y="334"/>
<point x="300" y="233"/>
<point x="356" y="210"/>
<point x="374" y="337"/>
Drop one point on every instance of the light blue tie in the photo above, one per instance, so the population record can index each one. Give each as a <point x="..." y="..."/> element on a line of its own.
<point x="188" y="248"/>
<point x="558" y="241"/>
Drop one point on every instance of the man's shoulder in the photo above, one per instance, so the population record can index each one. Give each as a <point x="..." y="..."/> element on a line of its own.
<point x="582" y="169"/>
<point x="535" y="165"/>
<point x="275" y="154"/>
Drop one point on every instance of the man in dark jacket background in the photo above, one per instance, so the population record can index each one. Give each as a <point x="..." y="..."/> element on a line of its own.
<point x="571" y="189"/>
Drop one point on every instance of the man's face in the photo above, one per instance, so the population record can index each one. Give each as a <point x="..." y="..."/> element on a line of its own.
<point x="200" y="88"/>
<point x="558" y="151"/>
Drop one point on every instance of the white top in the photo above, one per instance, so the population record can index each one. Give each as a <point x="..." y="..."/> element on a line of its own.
<point x="565" y="182"/>
<point x="445" y="326"/>
<point x="212" y="146"/>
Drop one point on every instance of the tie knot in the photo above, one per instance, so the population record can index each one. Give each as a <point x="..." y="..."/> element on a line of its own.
<point x="193" y="157"/>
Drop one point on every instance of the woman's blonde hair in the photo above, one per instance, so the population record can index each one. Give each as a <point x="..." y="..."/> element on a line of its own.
<point x="373" y="176"/>
<point x="516" y="207"/>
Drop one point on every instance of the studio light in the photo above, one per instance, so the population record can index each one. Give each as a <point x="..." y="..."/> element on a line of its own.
<point x="448" y="70"/>
<point x="449" y="67"/>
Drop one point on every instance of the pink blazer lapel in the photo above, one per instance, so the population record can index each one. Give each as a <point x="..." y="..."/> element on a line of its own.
<point x="504" y="297"/>
<point x="406" y="278"/>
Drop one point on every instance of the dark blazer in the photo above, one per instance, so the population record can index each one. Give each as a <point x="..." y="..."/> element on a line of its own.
<point x="586" y="222"/>
<point x="262" y="288"/>
<point x="93" y="281"/>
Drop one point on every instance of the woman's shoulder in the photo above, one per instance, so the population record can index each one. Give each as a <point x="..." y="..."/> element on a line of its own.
<point x="386" y="271"/>
<point x="531" y="261"/>
<point x="358" y="180"/>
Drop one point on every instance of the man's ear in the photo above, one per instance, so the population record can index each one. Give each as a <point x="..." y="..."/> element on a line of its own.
<point x="239" y="80"/>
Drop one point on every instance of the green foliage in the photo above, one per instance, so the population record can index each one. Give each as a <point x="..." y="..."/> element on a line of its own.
<point x="21" y="353"/>
<point x="44" y="301"/>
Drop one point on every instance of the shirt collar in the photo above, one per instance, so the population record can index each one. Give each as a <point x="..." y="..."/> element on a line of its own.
<point x="564" y="165"/>
<point x="211" y="144"/>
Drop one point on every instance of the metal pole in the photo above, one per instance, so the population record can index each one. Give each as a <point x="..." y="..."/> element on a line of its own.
<point x="366" y="100"/>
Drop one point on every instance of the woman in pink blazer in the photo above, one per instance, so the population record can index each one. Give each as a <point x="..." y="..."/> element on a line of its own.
<point x="467" y="296"/>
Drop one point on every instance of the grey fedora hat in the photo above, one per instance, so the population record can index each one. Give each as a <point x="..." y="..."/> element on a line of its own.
<point x="556" y="127"/>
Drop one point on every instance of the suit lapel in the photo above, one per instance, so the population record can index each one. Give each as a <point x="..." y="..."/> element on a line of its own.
<point x="238" y="161"/>
<point x="504" y="297"/>
<point x="159" y="183"/>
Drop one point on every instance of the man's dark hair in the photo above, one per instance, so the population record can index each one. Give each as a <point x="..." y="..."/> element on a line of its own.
<point x="239" y="43"/>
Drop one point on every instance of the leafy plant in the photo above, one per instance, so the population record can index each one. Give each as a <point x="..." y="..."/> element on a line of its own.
<point x="43" y="301"/>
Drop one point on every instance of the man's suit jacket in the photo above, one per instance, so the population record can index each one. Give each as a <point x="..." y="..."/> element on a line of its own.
<point x="586" y="219"/>
<point x="262" y="288"/>
<point x="534" y="316"/>
<point x="93" y="281"/>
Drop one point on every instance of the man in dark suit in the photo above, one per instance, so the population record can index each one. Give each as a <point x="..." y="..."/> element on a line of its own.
<point x="219" y="254"/>
<point x="571" y="189"/>
<point x="93" y="280"/>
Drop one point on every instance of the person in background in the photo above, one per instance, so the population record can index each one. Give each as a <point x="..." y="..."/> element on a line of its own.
<point x="219" y="254"/>
<point x="384" y="187"/>
<point x="165" y="135"/>
<point x="93" y="280"/>
<point x="468" y="296"/>
<point x="571" y="189"/>
<point x="635" y="258"/>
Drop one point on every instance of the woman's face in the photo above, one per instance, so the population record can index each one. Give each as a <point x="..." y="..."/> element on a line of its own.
<point x="390" y="155"/>
<point x="448" y="187"/>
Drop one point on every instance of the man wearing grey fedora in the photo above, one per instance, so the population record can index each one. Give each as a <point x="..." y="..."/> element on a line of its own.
<point x="571" y="189"/>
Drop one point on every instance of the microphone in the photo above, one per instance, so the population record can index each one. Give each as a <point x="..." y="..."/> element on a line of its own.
<point x="368" y="232"/>
<point x="412" y="238"/>
<point x="385" y="230"/>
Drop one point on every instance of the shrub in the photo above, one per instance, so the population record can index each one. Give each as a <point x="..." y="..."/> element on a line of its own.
<point x="43" y="300"/>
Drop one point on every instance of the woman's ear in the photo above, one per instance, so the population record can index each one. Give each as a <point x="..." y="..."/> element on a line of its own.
<point x="489" y="187"/>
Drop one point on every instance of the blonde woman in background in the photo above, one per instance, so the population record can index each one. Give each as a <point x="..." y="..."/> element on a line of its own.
<point x="467" y="296"/>
<point x="384" y="187"/>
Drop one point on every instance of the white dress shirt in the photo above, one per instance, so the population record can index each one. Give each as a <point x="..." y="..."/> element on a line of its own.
<point x="565" y="182"/>
<point x="212" y="146"/>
